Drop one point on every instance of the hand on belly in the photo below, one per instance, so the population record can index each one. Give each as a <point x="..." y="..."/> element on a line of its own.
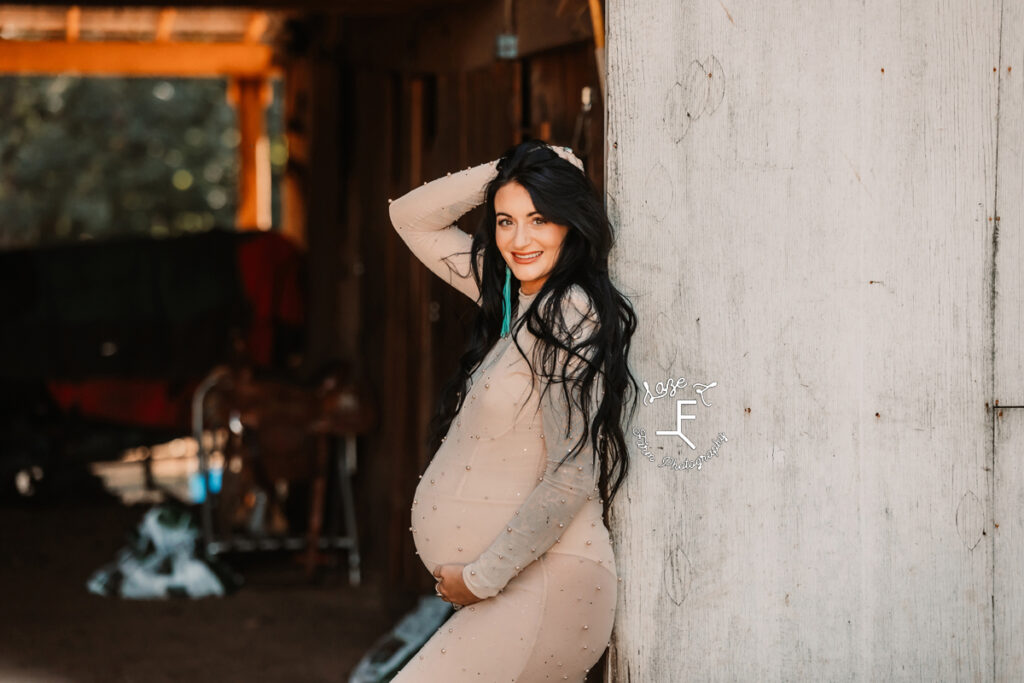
<point x="451" y="587"/>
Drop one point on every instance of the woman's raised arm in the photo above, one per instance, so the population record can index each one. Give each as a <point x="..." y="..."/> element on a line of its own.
<point x="425" y="220"/>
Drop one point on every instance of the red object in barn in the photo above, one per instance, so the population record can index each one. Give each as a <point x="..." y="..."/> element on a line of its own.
<point x="270" y="270"/>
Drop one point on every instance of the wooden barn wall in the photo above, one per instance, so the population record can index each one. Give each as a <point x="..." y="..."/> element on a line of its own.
<point x="1007" y="313"/>
<point x="821" y="213"/>
<point x="407" y="122"/>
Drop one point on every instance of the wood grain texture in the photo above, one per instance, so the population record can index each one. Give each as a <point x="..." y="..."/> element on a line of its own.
<point x="1008" y="354"/>
<point x="1009" y="544"/>
<point x="802" y="198"/>
<point x="1009" y="242"/>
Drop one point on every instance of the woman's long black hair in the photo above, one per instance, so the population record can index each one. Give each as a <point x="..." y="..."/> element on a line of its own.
<point x="562" y="194"/>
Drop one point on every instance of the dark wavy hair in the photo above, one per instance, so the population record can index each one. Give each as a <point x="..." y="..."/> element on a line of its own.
<point x="565" y="195"/>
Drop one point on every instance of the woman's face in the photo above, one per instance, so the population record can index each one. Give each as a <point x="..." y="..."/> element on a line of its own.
<point x="528" y="242"/>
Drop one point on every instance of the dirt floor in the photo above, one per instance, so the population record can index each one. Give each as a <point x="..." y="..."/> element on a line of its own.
<point x="278" y="627"/>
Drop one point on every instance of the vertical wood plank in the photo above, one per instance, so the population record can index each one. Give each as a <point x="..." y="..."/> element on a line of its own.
<point x="803" y="221"/>
<point x="254" y="159"/>
<point x="1007" y="283"/>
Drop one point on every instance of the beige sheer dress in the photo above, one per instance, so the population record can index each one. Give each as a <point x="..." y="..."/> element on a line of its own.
<point x="533" y="540"/>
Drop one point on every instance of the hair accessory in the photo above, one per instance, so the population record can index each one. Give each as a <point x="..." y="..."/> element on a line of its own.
<point x="506" y="304"/>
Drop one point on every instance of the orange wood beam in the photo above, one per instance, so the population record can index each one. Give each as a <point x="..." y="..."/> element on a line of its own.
<point x="256" y="27"/>
<point x="165" y="25"/>
<point x="597" y="18"/>
<point x="73" y="23"/>
<point x="137" y="59"/>
<point x="249" y="95"/>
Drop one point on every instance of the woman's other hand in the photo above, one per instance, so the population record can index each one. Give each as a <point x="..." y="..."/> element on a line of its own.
<point x="567" y="154"/>
<point x="451" y="586"/>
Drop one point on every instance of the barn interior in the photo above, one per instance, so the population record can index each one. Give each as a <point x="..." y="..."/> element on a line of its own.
<point x="298" y="334"/>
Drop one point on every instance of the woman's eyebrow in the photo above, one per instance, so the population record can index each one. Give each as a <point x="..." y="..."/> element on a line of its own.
<point x="502" y="213"/>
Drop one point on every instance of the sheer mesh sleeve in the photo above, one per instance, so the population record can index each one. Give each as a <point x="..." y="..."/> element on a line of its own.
<point x="425" y="220"/>
<point x="552" y="504"/>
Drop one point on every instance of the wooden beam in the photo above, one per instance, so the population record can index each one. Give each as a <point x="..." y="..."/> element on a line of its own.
<point x="256" y="27"/>
<point x="165" y="24"/>
<point x="348" y="7"/>
<point x="73" y="23"/>
<point x="298" y="95"/>
<point x="597" y="18"/>
<point x="137" y="59"/>
<point x="254" y="155"/>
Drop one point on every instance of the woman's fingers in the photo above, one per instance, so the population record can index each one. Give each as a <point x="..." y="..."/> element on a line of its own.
<point x="440" y="583"/>
<point x="567" y="154"/>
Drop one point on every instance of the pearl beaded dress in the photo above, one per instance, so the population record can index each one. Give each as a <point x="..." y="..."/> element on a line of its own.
<point x="531" y="535"/>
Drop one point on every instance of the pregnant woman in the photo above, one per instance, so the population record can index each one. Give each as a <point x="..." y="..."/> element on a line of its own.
<point x="509" y="516"/>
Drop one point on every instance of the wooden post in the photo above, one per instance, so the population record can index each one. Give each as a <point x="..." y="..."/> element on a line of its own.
<point x="298" y="119"/>
<point x="250" y="97"/>
<point x="73" y="23"/>
<point x="165" y="25"/>
<point x="421" y="279"/>
<point x="805" y="208"/>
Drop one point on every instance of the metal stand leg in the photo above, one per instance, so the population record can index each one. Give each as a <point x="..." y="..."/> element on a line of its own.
<point x="204" y="468"/>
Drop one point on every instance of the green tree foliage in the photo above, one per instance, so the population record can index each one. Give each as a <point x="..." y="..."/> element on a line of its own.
<point x="85" y="158"/>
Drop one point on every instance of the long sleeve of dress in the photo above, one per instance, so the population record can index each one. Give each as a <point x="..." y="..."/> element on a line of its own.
<point x="556" y="499"/>
<point x="425" y="220"/>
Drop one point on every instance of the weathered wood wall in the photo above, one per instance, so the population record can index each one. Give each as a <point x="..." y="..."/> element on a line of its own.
<point x="821" y="212"/>
<point x="1006" y="312"/>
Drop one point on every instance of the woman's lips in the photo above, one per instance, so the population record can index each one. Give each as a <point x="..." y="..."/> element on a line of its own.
<point x="530" y="258"/>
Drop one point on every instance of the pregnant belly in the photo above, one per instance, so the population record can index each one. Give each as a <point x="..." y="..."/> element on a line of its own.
<point x="450" y="529"/>
<point x="467" y="495"/>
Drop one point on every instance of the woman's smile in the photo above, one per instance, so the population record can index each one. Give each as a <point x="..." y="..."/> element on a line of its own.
<point x="526" y="258"/>
<point x="528" y="241"/>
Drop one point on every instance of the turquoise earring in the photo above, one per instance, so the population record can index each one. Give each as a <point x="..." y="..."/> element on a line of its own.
<point x="506" y="304"/>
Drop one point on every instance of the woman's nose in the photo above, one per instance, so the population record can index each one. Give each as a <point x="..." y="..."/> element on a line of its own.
<point x="521" y="240"/>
